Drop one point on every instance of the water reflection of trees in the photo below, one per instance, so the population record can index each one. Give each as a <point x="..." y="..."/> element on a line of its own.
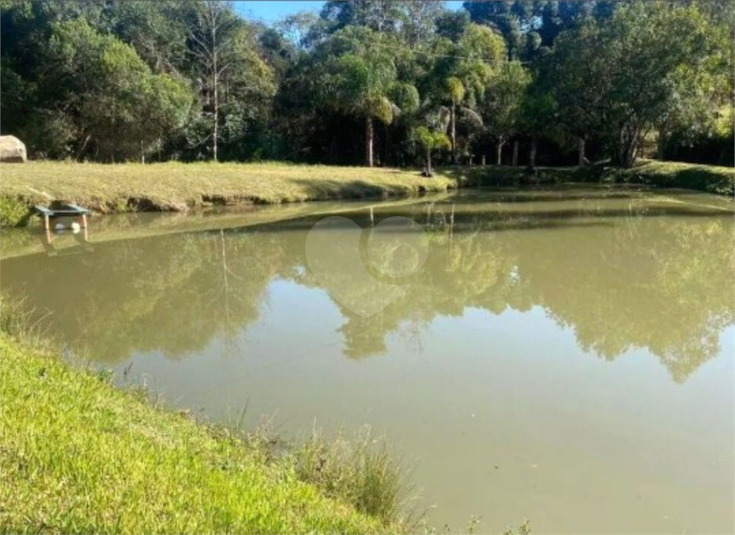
<point x="158" y="294"/>
<point x="664" y="284"/>
<point x="668" y="289"/>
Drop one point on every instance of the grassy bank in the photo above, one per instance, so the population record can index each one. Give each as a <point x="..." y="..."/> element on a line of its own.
<point x="18" y="242"/>
<point x="80" y="456"/>
<point x="177" y="186"/>
<point x="709" y="178"/>
<point x="646" y="173"/>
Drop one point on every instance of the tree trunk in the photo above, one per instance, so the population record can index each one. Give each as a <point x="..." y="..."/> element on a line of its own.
<point x="626" y="149"/>
<point x="429" y="171"/>
<point x="483" y="160"/>
<point x="499" y="148"/>
<point x="661" y="145"/>
<point x="630" y="153"/>
<point x="580" y="151"/>
<point x="369" y="135"/>
<point x="453" y="119"/>
<point x="515" y="153"/>
<point x="205" y="37"/>
<point x="226" y="281"/>
<point x="387" y="144"/>
<point x="84" y="145"/>
<point x="215" y="84"/>
<point x="625" y="155"/>
<point x="532" y="155"/>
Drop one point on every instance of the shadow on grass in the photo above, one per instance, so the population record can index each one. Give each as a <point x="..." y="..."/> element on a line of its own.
<point x="509" y="176"/>
<point x="363" y="189"/>
<point x="646" y="173"/>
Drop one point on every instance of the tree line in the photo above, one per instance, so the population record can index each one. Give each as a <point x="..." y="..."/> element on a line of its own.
<point x="398" y="83"/>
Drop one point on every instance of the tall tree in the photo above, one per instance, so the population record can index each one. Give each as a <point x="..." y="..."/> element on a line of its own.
<point x="463" y="69"/>
<point x="538" y="117"/>
<point x="229" y="71"/>
<point x="701" y="105"/>
<point x="357" y="75"/>
<point x="503" y="105"/>
<point x="212" y="36"/>
<point x="92" y="95"/>
<point x="618" y="78"/>
<point x="507" y="18"/>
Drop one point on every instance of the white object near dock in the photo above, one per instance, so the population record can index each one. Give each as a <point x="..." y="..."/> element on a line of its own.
<point x="64" y="210"/>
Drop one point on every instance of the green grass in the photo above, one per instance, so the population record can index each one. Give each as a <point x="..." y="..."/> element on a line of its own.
<point x="653" y="173"/>
<point x="80" y="456"/>
<point x="646" y="173"/>
<point x="361" y="469"/>
<point x="178" y="187"/>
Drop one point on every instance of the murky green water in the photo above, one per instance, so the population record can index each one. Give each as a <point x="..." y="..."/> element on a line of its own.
<point x="560" y="356"/>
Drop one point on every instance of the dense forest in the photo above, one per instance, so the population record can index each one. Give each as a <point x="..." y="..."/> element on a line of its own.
<point x="393" y="83"/>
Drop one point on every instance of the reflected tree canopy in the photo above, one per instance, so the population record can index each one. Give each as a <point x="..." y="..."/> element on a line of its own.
<point x="621" y="273"/>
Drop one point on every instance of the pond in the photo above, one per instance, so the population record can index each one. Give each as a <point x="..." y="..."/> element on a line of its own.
<point x="559" y="355"/>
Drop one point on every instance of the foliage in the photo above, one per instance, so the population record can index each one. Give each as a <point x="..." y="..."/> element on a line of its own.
<point x="113" y="106"/>
<point x="431" y="140"/>
<point x="617" y="79"/>
<point x="708" y="178"/>
<point x="13" y="211"/>
<point x="118" y="81"/>
<point x="503" y="106"/>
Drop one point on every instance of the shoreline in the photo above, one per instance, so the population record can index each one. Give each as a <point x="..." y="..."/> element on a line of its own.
<point x="83" y="456"/>
<point x="181" y="187"/>
<point x="177" y="187"/>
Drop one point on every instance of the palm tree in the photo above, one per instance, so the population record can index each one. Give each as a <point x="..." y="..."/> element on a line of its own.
<point x="360" y="79"/>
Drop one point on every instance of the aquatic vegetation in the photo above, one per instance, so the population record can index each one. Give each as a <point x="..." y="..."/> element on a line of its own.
<point x="361" y="468"/>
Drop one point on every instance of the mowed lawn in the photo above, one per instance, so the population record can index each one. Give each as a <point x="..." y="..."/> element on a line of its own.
<point x="174" y="186"/>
